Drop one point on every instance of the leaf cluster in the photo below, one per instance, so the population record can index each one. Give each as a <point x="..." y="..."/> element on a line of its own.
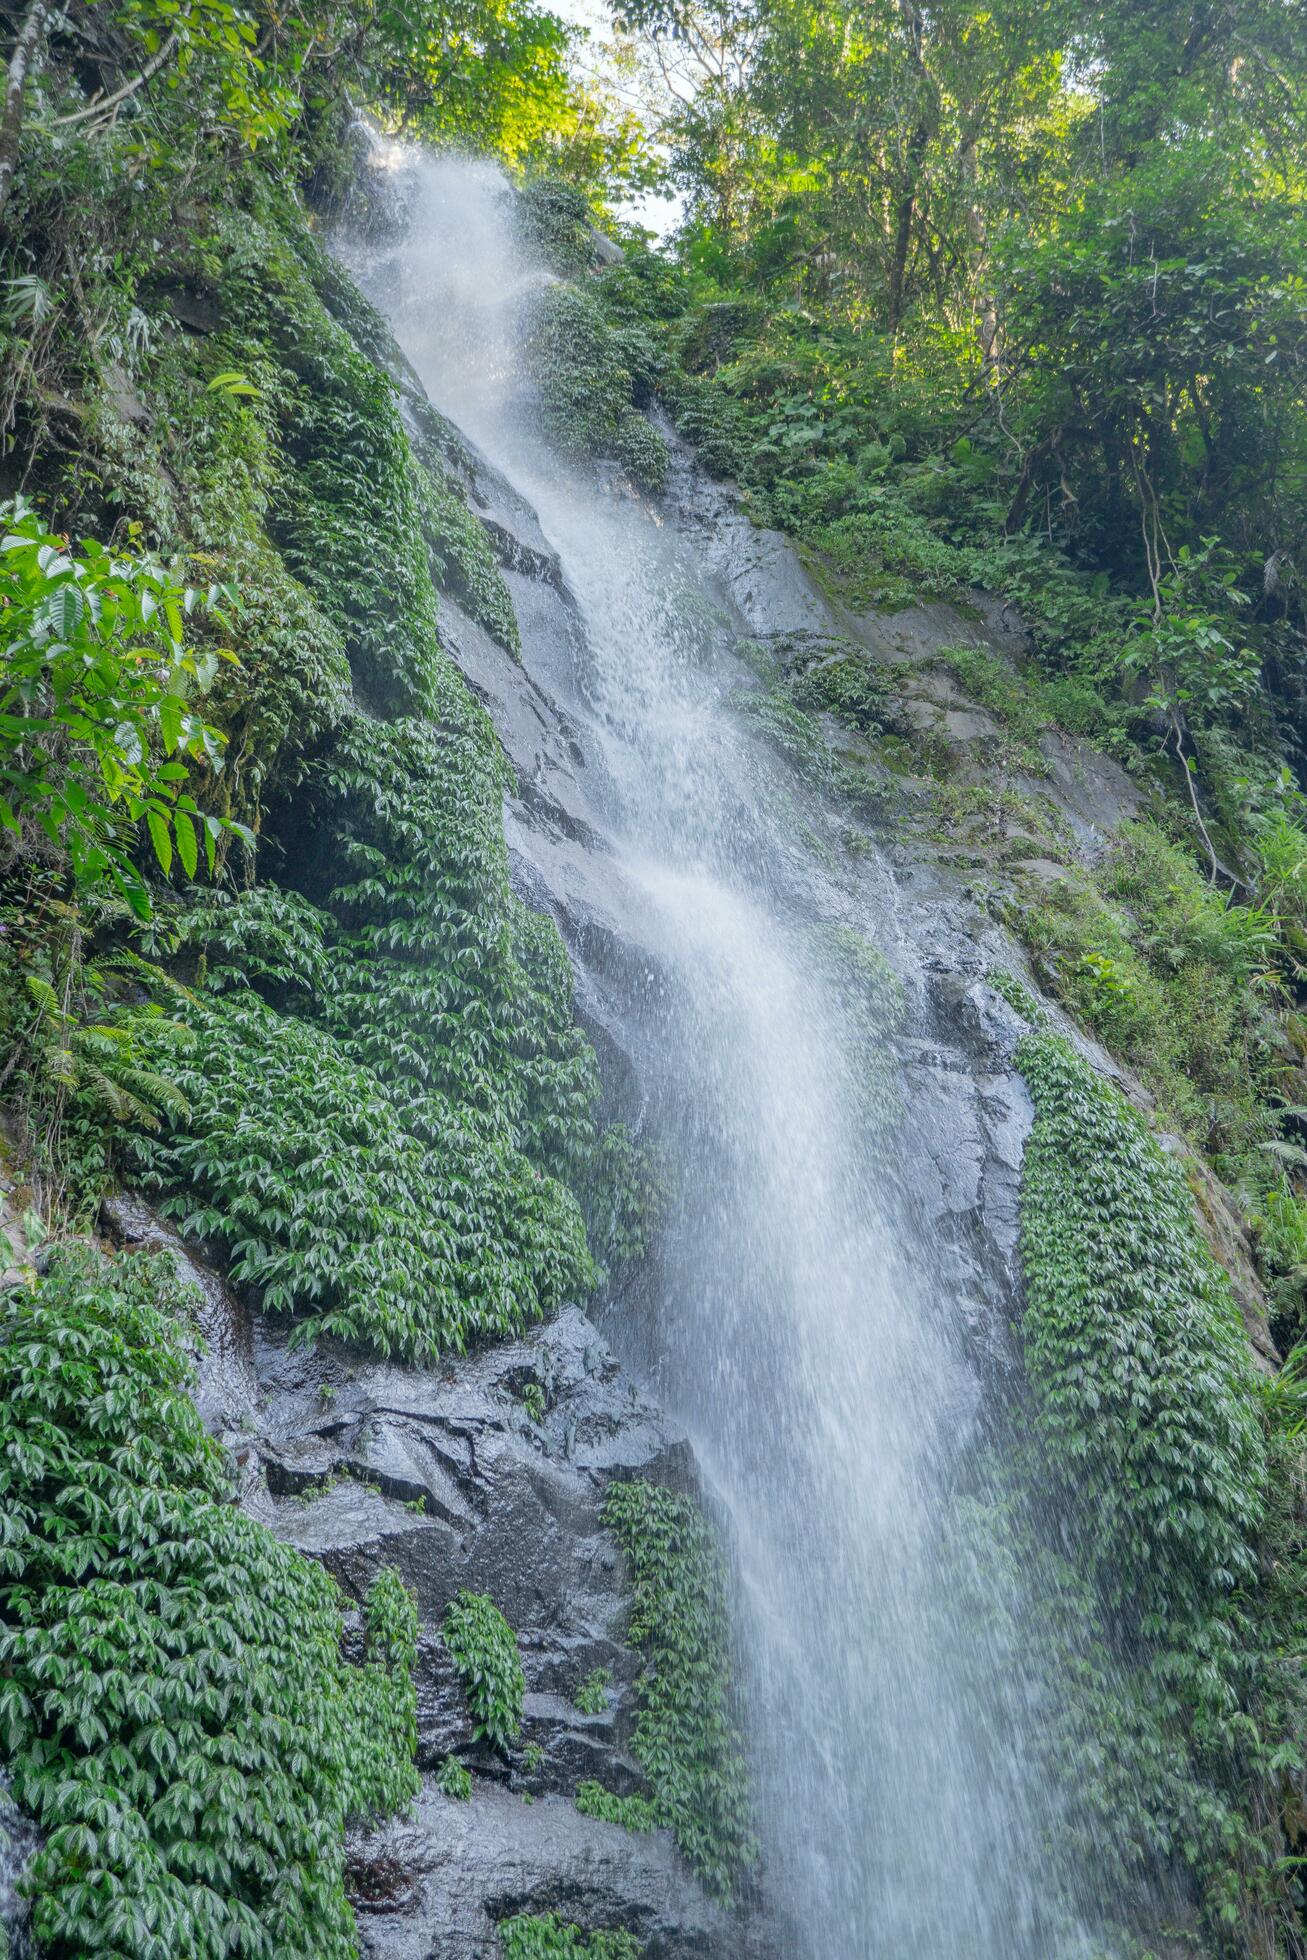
<point x="97" y="724"/>
<point x="544" y="1936"/>
<point x="1147" y="1517"/>
<point x="173" y="1700"/>
<point x="484" y="1649"/>
<point x="592" y="378"/>
<point x="686" y="1739"/>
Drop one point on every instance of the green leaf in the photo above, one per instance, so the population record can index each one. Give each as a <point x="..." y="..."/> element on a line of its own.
<point x="186" y="841"/>
<point x="160" y="838"/>
<point x="232" y="382"/>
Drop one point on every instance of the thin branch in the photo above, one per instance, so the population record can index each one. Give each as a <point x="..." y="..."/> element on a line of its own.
<point x="151" y="68"/>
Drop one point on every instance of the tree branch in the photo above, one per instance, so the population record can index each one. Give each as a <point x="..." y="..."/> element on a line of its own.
<point x="151" y="68"/>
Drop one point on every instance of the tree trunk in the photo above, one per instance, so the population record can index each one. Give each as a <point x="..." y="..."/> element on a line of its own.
<point x="899" y="261"/>
<point x="987" y="303"/>
<point x="21" y="64"/>
<point x="906" y="207"/>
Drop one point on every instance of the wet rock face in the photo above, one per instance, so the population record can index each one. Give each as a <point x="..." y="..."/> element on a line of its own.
<point x="20" y="1840"/>
<point x="486" y="1473"/>
<point x="433" y="1886"/>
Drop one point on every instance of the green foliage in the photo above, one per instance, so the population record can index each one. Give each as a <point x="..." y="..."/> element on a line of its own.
<point x="453" y="1780"/>
<point x="81" y="1056"/>
<point x="484" y="1648"/>
<point x="1179" y="1713"/>
<point x="591" y="377"/>
<point x="553" y="221"/>
<point x="533" y="1401"/>
<point x="96" y="727"/>
<point x="547" y="1937"/>
<point x="175" y="1707"/>
<point x="592" y="1695"/>
<point x="803" y="678"/>
<point x="1017" y="996"/>
<point x="887" y="557"/>
<point x="1182" y="647"/>
<point x="428" y="1000"/>
<point x="1135" y="1350"/>
<point x="482" y="74"/>
<point x="686" y="1739"/>
<point x="1279" y="1219"/>
<point x="454" y="986"/>
<point x="292" y="687"/>
<point x="461" y="558"/>
<point x="633" y="1813"/>
<point x="1013" y="699"/>
<point x="624" y="1195"/>
<point x="871" y="1001"/>
<point x="442" y="1035"/>
<point x="399" y="1223"/>
<point x="348" y="521"/>
<point x="1279" y="845"/>
<point x="1170" y="974"/>
<point x="844" y="681"/>
<point x="774" y="713"/>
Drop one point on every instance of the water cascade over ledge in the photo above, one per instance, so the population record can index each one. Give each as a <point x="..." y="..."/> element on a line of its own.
<point x="813" y="1319"/>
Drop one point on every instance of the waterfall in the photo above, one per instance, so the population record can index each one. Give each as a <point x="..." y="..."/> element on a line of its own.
<point x="805" y="1325"/>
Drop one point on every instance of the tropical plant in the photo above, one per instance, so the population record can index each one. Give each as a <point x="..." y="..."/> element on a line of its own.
<point x="544" y="1936"/>
<point x="174" y="1706"/>
<point x="592" y="1695"/>
<point x="97" y="722"/>
<point x="484" y="1649"/>
<point x="686" y="1738"/>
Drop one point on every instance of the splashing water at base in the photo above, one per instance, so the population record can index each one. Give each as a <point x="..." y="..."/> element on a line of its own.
<point x="804" y="1331"/>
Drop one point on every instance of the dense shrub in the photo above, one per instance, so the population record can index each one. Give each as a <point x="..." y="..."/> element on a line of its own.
<point x="1162" y="1564"/>
<point x="1135" y="1351"/>
<point x="173" y="1700"/>
<point x="1166" y="969"/>
<point x="453" y="984"/>
<point x="401" y="1223"/>
<point x="590" y="376"/>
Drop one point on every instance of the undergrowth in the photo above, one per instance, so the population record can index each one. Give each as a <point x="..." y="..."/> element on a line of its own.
<point x="544" y="1936"/>
<point x="1167" y="1615"/>
<point x="174" y="1704"/>
<point x="593" y="376"/>
<point x="1173" y="976"/>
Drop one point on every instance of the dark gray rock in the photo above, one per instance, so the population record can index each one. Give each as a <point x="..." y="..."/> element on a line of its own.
<point x="20" y="1840"/>
<point x="431" y="1887"/>
<point x="227" y="1388"/>
<point x="444" y="1473"/>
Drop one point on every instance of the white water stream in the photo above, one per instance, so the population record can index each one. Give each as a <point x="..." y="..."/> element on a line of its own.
<point x="803" y="1328"/>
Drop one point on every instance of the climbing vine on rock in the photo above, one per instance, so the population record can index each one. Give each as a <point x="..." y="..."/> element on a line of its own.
<point x="544" y="1936"/>
<point x="1135" y="1351"/>
<point x="592" y="376"/>
<point x="484" y="1648"/>
<point x="1166" y="1578"/>
<point x="686" y="1738"/>
<point x="174" y="1706"/>
<point x="403" y="1224"/>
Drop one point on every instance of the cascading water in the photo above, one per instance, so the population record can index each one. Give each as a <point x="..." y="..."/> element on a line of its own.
<point x="805" y="1329"/>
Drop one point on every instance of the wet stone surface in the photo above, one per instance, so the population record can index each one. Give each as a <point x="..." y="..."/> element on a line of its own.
<point x="444" y="1473"/>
